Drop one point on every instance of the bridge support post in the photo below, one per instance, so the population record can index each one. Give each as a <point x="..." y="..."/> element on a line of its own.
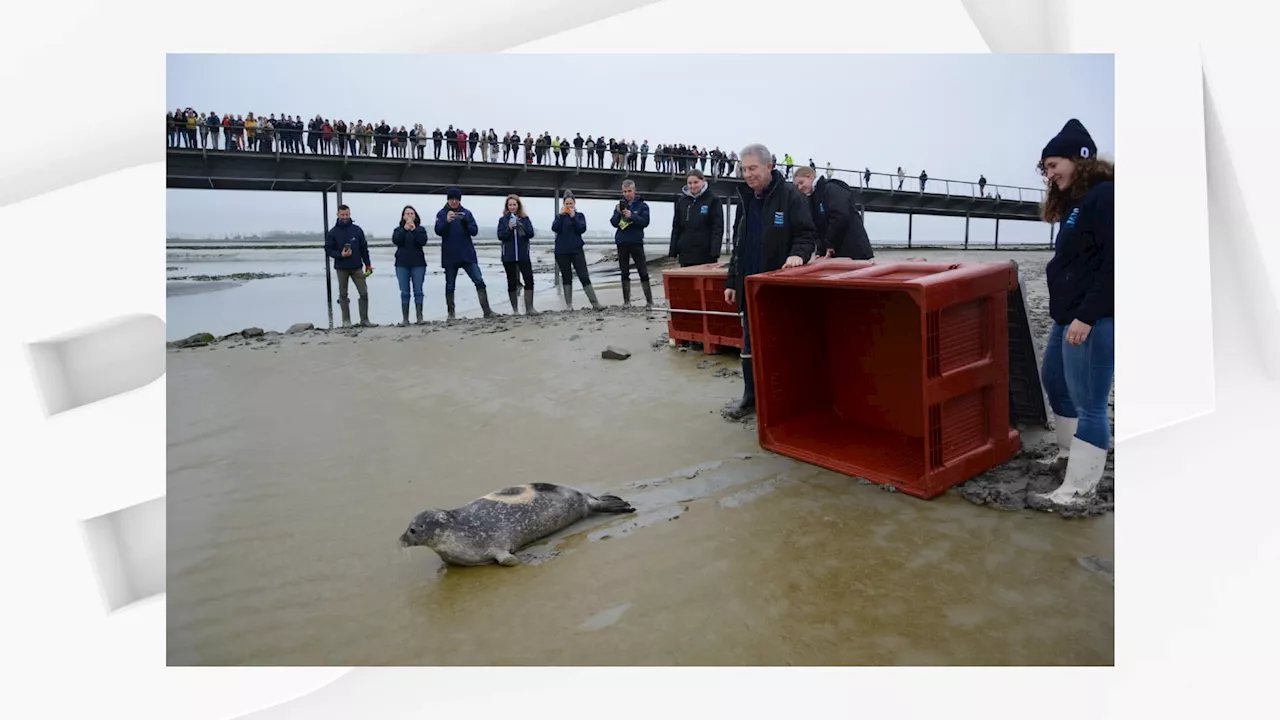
<point x="339" y="188"/>
<point x="966" y="230"/>
<point x="1050" y="234"/>
<point x="997" y="232"/>
<point x="910" y="228"/>
<point x="328" y="281"/>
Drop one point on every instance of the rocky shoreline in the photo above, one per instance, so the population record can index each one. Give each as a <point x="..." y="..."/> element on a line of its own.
<point x="224" y="278"/>
<point x="258" y="337"/>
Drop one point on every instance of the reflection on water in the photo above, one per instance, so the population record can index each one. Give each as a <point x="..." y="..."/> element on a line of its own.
<point x="299" y="295"/>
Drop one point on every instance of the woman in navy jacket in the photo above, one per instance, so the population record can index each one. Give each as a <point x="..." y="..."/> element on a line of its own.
<point x="569" y="225"/>
<point x="410" y="238"/>
<point x="515" y="230"/>
<point x="1079" y="360"/>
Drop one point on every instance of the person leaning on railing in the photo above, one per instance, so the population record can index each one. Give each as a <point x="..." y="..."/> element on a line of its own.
<point x="1079" y="358"/>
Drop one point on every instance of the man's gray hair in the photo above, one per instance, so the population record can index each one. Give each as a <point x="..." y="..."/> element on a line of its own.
<point x="628" y="184"/>
<point x="759" y="151"/>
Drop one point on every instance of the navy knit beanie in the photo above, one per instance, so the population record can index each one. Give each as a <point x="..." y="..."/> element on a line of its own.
<point x="452" y="193"/>
<point x="1071" y="142"/>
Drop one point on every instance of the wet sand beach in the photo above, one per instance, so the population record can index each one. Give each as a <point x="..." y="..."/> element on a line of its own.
<point x="295" y="462"/>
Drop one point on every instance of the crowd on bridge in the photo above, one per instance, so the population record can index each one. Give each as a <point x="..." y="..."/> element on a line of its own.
<point x="190" y="129"/>
<point x="321" y="136"/>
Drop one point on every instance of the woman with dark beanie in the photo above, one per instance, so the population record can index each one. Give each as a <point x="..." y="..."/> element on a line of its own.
<point x="1079" y="359"/>
<point x="410" y="238"/>
<point x="569" y="225"/>
<point x="515" y="230"/>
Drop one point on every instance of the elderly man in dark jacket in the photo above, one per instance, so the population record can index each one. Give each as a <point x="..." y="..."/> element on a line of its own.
<point x="697" y="224"/>
<point x="840" y="229"/>
<point x="773" y="229"/>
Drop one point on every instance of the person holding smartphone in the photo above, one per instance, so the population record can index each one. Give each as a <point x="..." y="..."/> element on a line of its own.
<point x="346" y="244"/>
<point x="410" y="238"/>
<point x="631" y="217"/>
<point x="456" y="226"/>
<point x="515" y="230"/>
<point x="569" y="226"/>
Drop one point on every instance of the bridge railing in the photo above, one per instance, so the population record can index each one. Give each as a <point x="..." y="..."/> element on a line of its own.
<point x="302" y="142"/>
<point x="932" y="186"/>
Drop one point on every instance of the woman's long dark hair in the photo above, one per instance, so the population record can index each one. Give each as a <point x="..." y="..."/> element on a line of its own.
<point x="1089" y="172"/>
<point x="417" y="219"/>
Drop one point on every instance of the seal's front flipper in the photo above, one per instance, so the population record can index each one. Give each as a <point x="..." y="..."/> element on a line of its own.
<point x="505" y="558"/>
<point x="610" y="504"/>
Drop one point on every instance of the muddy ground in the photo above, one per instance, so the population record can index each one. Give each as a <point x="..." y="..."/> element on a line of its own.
<point x="296" y="460"/>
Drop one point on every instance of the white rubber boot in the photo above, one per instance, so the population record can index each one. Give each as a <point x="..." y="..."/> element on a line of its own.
<point x="1065" y="428"/>
<point x="1085" y="464"/>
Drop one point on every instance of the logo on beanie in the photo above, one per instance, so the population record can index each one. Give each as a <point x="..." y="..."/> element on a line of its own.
<point x="1084" y="152"/>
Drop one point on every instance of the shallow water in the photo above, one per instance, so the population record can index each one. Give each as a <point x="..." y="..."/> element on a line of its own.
<point x="222" y="307"/>
<point x="293" y="469"/>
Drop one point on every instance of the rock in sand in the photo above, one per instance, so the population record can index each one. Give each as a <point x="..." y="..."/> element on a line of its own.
<point x="296" y="328"/>
<point x="197" y="340"/>
<point x="615" y="353"/>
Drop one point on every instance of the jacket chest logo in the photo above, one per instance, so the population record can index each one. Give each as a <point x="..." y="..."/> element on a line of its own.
<point x="778" y="219"/>
<point x="702" y="210"/>
<point x="1071" y="219"/>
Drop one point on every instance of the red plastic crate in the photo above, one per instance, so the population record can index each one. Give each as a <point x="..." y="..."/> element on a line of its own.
<point x="699" y="313"/>
<point x="898" y="373"/>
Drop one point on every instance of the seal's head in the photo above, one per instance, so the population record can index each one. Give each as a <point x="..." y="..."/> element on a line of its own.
<point x="425" y="528"/>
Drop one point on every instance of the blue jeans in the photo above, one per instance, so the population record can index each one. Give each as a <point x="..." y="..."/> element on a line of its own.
<point x="1077" y="379"/>
<point x="417" y="275"/>
<point x="451" y="276"/>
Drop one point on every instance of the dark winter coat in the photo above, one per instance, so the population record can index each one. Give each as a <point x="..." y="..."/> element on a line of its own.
<point x="697" y="227"/>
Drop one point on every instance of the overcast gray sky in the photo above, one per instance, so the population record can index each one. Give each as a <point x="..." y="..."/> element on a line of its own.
<point x="955" y="116"/>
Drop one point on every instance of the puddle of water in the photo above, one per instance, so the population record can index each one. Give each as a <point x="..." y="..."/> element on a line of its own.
<point x="605" y="618"/>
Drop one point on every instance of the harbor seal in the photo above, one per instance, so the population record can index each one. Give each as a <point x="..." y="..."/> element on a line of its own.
<point x="489" y="529"/>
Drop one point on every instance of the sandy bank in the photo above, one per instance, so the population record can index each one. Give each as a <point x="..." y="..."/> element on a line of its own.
<point x="295" y="462"/>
